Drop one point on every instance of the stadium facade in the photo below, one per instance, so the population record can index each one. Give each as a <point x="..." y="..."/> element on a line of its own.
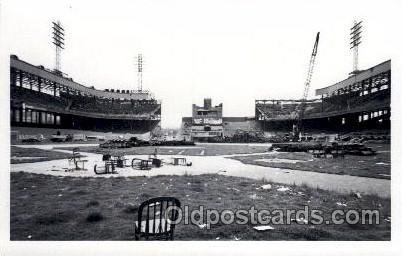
<point x="43" y="98"/>
<point x="360" y="102"/>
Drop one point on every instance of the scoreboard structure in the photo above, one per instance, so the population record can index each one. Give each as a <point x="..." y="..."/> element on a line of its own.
<point x="206" y="122"/>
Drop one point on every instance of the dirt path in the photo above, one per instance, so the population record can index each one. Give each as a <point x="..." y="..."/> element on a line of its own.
<point x="221" y="165"/>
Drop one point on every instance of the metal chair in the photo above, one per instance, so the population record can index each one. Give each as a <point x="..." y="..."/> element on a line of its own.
<point x="76" y="160"/>
<point x="141" y="164"/>
<point x="151" y="223"/>
<point x="110" y="166"/>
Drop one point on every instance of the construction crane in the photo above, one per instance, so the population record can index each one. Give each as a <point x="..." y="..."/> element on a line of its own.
<point x="297" y="129"/>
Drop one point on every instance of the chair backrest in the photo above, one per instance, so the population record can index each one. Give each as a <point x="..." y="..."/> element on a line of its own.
<point x="76" y="153"/>
<point x="76" y="157"/>
<point x="144" y="165"/>
<point x="153" y="220"/>
<point x="106" y="157"/>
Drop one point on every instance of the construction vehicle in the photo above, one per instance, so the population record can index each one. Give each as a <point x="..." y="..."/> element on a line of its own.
<point x="298" y="127"/>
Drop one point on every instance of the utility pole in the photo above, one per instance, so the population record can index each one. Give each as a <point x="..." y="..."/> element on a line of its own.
<point x="58" y="41"/>
<point x="355" y="40"/>
<point x="139" y="71"/>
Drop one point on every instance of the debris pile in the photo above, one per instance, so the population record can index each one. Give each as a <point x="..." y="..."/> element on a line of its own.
<point x="241" y="136"/>
<point x="325" y="150"/>
<point x="135" y="142"/>
<point x="361" y="138"/>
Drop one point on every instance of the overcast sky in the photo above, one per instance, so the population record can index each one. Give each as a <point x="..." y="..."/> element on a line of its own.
<point x="234" y="51"/>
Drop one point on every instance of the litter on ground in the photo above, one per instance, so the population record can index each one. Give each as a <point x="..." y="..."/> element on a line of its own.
<point x="357" y="195"/>
<point x="202" y="226"/>
<point x="283" y="189"/>
<point x="265" y="187"/>
<point x="254" y="197"/>
<point x="304" y="221"/>
<point x="263" y="228"/>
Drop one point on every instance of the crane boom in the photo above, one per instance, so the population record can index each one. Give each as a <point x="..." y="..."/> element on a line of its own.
<point x="302" y="106"/>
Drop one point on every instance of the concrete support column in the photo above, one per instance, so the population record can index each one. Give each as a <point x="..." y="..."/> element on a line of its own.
<point x="322" y="103"/>
<point x="30" y="82"/>
<point x="13" y="77"/>
<point x="39" y="84"/>
<point x="42" y="118"/>
<point x="21" y="77"/>
<point x="389" y="80"/>
<point x="371" y="84"/>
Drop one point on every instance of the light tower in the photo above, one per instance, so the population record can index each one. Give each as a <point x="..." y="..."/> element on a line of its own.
<point x="139" y="71"/>
<point x="58" y="41"/>
<point x="355" y="40"/>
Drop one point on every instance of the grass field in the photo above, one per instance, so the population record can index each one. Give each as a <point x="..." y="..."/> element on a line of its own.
<point x="45" y="207"/>
<point x="31" y="155"/>
<point x="378" y="166"/>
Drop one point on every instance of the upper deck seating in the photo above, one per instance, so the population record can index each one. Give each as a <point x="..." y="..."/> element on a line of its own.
<point x="84" y="103"/>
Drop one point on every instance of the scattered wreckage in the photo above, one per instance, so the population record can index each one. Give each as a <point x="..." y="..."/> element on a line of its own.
<point x="325" y="150"/>
<point x="135" y="142"/>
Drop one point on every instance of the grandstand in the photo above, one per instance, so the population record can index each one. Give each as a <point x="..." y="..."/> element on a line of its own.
<point x="274" y="114"/>
<point x="42" y="98"/>
<point x="360" y="102"/>
<point x="232" y="125"/>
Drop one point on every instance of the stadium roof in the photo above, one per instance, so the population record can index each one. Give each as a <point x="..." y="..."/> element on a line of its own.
<point x="69" y="83"/>
<point x="378" y="69"/>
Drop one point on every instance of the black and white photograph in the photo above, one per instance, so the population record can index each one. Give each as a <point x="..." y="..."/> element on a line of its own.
<point x="233" y="122"/>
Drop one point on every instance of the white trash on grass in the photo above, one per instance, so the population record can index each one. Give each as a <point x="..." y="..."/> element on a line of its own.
<point x="265" y="187"/>
<point x="300" y="221"/>
<point x="357" y="195"/>
<point x="283" y="189"/>
<point x="202" y="226"/>
<point x="255" y="197"/>
<point x="382" y="163"/>
<point x="263" y="228"/>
